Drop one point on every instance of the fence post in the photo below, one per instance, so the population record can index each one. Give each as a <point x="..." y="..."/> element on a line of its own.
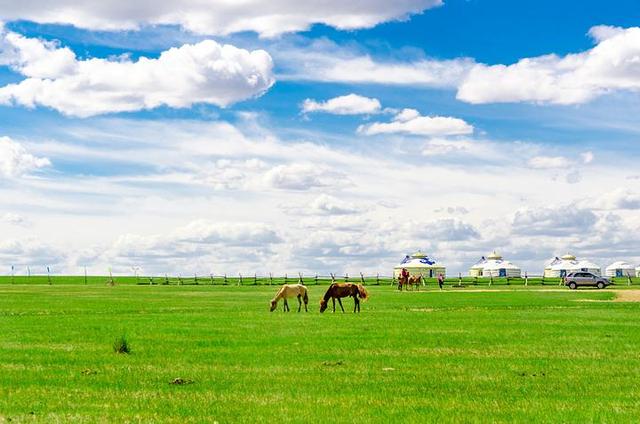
<point x="377" y="279"/>
<point x="225" y="279"/>
<point x="490" y="279"/>
<point x="526" y="279"/>
<point x="240" y="280"/>
<point x="459" y="279"/>
<point x="49" y="275"/>
<point x="270" y="278"/>
<point x="85" y="275"/>
<point x="28" y="274"/>
<point x="179" y="279"/>
<point x="211" y="276"/>
<point x="166" y="279"/>
<point x="316" y="279"/>
<point x="475" y="280"/>
<point x="300" y="278"/>
<point x="542" y="282"/>
<point x="286" y="279"/>
<point x="151" y="281"/>
<point x="195" y="278"/>
<point x="362" y="278"/>
<point x="346" y="277"/>
<point x="255" y="279"/>
<point x="507" y="280"/>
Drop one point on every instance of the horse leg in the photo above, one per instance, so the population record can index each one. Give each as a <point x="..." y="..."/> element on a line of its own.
<point x="334" y="304"/>
<point x="340" y="302"/>
<point x="286" y="305"/>
<point x="299" y="303"/>
<point x="355" y="304"/>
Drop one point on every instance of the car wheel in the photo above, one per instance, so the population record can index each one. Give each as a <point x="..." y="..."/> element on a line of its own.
<point x="600" y="285"/>
<point x="573" y="285"/>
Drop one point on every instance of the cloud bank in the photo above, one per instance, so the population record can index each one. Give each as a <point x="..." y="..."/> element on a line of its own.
<point x="206" y="72"/>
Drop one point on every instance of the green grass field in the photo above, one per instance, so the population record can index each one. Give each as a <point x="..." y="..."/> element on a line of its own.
<point x="500" y="355"/>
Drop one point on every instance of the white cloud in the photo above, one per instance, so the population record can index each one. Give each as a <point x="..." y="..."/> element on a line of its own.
<point x="351" y="104"/>
<point x="15" y="161"/>
<point x="554" y="221"/>
<point x="549" y="162"/>
<point x="330" y="205"/>
<point x="300" y="176"/>
<point x="409" y="121"/>
<point x="326" y="61"/>
<point x="620" y="198"/>
<point x="206" y="72"/>
<point x="13" y="218"/>
<point x="587" y="157"/>
<point x="572" y="79"/>
<point x="216" y="16"/>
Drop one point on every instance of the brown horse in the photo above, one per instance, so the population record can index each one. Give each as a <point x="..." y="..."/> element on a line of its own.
<point x="411" y="281"/>
<point x="340" y="290"/>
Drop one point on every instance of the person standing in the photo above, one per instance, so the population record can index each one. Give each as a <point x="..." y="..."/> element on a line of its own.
<point x="440" y="280"/>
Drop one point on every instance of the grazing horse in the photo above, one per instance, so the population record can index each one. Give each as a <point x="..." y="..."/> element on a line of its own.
<point x="291" y="290"/>
<point x="340" y="290"/>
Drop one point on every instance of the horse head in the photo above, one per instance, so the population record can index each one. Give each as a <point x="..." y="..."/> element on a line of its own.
<point x="323" y="305"/>
<point x="274" y="305"/>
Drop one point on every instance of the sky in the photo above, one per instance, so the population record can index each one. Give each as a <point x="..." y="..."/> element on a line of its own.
<point x="212" y="137"/>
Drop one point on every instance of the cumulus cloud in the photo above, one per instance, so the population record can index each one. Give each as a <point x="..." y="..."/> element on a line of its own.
<point x="570" y="220"/>
<point x="13" y="218"/>
<point x="409" y="121"/>
<point x="440" y="230"/>
<point x="620" y="198"/>
<point x="206" y="72"/>
<point x="216" y="16"/>
<point x="330" y="205"/>
<point x="30" y="251"/>
<point x="572" y="79"/>
<point x="300" y="176"/>
<point x="351" y="104"/>
<point x="15" y="161"/>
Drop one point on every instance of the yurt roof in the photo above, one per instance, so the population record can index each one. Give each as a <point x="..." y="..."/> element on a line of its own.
<point x="621" y="265"/>
<point x="568" y="257"/>
<point x="587" y="264"/>
<point x="494" y="261"/>
<point x="418" y="260"/>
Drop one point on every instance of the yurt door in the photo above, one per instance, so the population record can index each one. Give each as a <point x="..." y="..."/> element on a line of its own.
<point x="619" y="273"/>
<point x="503" y="272"/>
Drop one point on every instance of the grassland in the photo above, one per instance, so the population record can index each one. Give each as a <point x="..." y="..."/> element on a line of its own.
<point x="505" y="354"/>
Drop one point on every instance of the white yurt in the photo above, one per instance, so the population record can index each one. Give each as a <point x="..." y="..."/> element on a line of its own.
<point x="638" y="272"/>
<point x="494" y="266"/>
<point x="420" y="264"/>
<point x="561" y="266"/>
<point x="620" y="269"/>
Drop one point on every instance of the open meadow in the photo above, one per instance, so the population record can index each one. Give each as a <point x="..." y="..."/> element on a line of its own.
<point x="501" y="354"/>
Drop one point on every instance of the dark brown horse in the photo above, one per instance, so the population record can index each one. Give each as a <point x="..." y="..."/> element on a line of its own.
<point x="340" y="290"/>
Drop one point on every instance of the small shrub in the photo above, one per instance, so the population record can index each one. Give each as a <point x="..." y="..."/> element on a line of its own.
<point x="120" y="345"/>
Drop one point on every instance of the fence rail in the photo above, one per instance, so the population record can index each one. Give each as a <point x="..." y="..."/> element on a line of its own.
<point x="310" y="280"/>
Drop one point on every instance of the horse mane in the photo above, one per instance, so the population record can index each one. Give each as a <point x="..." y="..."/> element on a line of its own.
<point x="364" y="294"/>
<point x="328" y="293"/>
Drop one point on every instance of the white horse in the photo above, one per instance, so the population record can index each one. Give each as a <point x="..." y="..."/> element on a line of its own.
<point x="291" y="290"/>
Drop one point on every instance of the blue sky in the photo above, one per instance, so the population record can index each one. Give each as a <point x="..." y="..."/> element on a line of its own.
<point x="301" y="145"/>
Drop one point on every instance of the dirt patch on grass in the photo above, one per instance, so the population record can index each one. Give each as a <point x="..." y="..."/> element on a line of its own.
<point x="627" y="296"/>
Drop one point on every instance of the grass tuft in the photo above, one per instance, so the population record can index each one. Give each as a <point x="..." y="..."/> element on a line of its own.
<point x="121" y="345"/>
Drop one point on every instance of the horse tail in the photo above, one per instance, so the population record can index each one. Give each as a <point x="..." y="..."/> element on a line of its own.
<point x="364" y="294"/>
<point x="305" y="296"/>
